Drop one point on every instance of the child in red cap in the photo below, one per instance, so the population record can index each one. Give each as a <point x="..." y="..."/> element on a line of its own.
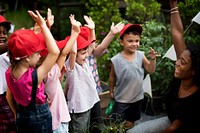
<point x="25" y="92"/>
<point x="81" y="93"/>
<point x="126" y="76"/>
<point x="53" y="87"/>
<point x="7" y="119"/>
<point x="95" y="51"/>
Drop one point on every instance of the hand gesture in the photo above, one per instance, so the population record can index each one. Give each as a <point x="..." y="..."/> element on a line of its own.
<point x="37" y="18"/>
<point x="75" y="24"/>
<point x="152" y="54"/>
<point x="50" y="18"/>
<point x="36" y="28"/>
<point x="117" y="28"/>
<point x="89" y="22"/>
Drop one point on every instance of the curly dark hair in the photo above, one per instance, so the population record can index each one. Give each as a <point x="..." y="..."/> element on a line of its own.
<point x="195" y="62"/>
<point x="5" y="24"/>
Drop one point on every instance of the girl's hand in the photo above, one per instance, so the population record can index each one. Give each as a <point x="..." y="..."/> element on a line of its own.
<point x="116" y="28"/>
<point x="37" y="18"/>
<point x="89" y="22"/>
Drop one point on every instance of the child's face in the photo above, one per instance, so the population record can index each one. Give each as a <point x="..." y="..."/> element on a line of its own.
<point x="3" y="35"/>
<point x="130" y="42"/>
<point x="82" y="55"/>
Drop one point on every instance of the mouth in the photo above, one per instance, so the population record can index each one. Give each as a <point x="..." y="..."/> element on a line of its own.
<point x="2" y="41"/>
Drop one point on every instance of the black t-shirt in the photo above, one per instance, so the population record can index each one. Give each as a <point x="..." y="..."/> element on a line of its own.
<point x="185" y="109"/>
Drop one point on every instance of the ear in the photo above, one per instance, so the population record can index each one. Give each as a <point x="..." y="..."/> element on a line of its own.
<point x="27" y="59"/>
<point x="121" y="42"/>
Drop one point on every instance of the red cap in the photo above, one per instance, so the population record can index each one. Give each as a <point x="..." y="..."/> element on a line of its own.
<point x="134" y="27"/>
<point x="61" y="44"/>
<point x="23" y="43"/>
<point x="82" y="43"/>
<point x="85" y="32"/>
<point x="3" y="22"/>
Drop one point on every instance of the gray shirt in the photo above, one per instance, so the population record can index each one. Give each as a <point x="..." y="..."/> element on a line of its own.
<point x="129" y="78"/>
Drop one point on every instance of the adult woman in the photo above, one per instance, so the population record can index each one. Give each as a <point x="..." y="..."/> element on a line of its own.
<point x="182" y="100"/>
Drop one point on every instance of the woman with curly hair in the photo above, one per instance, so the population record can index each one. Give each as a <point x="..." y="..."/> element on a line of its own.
<point x="182" y="99"/>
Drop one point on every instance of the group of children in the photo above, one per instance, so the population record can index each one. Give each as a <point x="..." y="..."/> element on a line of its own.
<point x="34" y="71"/>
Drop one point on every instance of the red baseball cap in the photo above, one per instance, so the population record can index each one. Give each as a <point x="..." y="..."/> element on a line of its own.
<point x="61" y="44"/>
<point x="85" y="32"/>
<point x="4" y="22"/>
<point x="23" y="43"/>
<point x="133" y="27"/>
<point x="82" y="43"/>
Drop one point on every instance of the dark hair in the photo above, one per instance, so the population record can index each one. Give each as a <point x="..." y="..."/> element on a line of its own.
<point x="195" y="62"/>
<point x="130" y="31"/>
<point x="7" y="25"/>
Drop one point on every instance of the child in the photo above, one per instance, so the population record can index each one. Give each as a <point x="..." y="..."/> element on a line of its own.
<point x="24" y="46"/>
<point x="88" y="33"/>
<point x="56" y="99"/>
<point x="7" y="120"/>
<point x="81" y="94"/>
<point x="127" y="72"/>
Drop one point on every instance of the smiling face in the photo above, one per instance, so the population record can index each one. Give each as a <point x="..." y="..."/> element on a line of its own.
<point x="130" y="42"/>
<point x="3" y="35"/>
<point x="183" y="68"/>
<point x="82" y="55"/>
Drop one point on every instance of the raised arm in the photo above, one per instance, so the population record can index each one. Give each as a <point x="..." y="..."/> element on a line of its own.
<point x="177" y="28"/>
<point x="114" y="29"/>
<point x="75" y="30"/>
<point x="53" y="50"/>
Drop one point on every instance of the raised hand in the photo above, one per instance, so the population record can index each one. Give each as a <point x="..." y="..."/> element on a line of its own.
<point x="75" y="24"/>
<point x="37" y="18"/>
<point x="152" y="54"/>
<point x="50" y="18"/>
<point x="89" y="22"/>
<point x="116" y="28"/>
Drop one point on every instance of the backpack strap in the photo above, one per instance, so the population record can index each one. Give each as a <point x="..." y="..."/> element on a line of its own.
<point x="34" y="87"/>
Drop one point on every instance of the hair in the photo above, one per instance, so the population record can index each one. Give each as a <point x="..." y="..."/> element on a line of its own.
<point x="14" y="63"/>
<point x="195" y="62"/>
<point x="6" y="25"/>
<point x="130" y="31"/>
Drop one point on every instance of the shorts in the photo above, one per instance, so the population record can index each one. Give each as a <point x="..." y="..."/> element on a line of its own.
<point x="34" y="120"/>
<point x="127" y="111"/>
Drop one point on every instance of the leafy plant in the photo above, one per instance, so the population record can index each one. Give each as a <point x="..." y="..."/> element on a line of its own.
<point x="139" y="11"/>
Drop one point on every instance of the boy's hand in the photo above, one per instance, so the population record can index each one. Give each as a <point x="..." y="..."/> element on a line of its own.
<point x="75" y="24"/>
<point x="38" y="18"/>
<point x="50" y="18"/>
<point x="152" y="54"/>
<point x="89" y="22"/>
<point x="117" y="28"/>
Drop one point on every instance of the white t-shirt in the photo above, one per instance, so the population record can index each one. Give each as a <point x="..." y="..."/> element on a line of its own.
<point x="5" y="63"/>
<point x="82" y="93"/>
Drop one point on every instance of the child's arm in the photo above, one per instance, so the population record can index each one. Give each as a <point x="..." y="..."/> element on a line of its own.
<point x="75" y="30"/>
<point x="114" y="29"/>
<point x="11" y="101"/>
<point x="112" y="81"/>
<point x="150" y="67"/>
<point x="90" y="24"/>
<point x="53" y="50"/>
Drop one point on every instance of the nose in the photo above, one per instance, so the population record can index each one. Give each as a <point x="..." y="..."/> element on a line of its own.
<point x="177" y="62"/>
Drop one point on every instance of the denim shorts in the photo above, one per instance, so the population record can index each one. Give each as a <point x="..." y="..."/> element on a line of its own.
<point x="34" y="119"/>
